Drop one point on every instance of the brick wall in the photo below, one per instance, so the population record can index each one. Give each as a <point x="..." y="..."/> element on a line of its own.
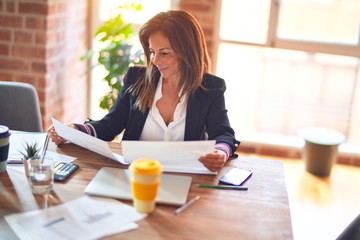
<point x="205" y="11"/>
<point x="41" y="43"/>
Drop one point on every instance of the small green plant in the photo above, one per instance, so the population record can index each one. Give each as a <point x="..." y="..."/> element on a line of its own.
<point x="30" y="150"/>
<point x="117" y="55"/>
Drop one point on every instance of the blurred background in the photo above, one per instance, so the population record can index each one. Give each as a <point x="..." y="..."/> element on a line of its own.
<point x="287" y="64"/>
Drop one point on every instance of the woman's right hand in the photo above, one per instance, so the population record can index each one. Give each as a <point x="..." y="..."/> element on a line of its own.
<point x="55" y="137"/>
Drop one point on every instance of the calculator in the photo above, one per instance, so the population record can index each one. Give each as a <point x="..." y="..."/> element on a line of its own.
<point x="63" y="170"/>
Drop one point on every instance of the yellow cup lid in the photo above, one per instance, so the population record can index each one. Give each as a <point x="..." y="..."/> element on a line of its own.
<point x="146" y="166"/>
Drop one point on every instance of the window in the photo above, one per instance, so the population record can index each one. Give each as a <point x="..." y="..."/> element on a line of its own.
<point x="324" y="21"/>
<point x="291" y="64"/>
<point x="103" y="10"/>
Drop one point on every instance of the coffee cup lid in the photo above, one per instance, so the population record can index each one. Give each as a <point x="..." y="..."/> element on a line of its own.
<point x="4" y="131"/>
<point x="146" y="166"/>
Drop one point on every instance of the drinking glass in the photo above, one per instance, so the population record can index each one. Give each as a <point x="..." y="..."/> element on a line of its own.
<point x="41" y="179"/>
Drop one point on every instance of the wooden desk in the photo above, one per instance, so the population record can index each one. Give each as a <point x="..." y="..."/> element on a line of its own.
<point x="262" y="212"/>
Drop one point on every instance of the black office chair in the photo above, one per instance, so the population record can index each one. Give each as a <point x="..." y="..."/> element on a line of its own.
<point x="352" y="231"/>
<point x="19" y="107"/>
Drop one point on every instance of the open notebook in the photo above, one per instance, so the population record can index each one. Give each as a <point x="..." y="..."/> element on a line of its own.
<point x="115" y="183"/>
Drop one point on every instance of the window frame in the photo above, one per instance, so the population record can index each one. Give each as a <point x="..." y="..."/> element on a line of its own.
<point x="311" y="47"/>
<point x="307" y="46"/>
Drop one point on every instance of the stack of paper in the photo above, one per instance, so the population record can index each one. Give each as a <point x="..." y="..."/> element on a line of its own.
<point x="83" y="218"/>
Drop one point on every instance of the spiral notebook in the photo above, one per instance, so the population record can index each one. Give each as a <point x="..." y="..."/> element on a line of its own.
<point x="115" y="183"/>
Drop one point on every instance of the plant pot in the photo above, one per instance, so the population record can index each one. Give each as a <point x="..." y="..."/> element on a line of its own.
<point x="321" y="149"/>
<point x="29" y="162"/>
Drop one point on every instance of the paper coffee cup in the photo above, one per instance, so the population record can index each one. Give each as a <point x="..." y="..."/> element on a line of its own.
<point x="145" y="181"/>
<point x="4" y="147"/>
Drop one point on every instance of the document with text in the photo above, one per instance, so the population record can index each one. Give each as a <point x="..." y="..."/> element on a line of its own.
<point x="80" y="219"/>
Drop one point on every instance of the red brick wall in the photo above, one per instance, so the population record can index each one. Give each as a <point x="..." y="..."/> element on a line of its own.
<point x="205" y="11"/>
<point x="41" y="43"/>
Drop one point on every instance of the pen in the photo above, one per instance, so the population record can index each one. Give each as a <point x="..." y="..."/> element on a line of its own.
<point x="45" y="148"/>
<point x="10" y="161"/>
<point x="186" y="205"/>
<point x="223" y="187"/>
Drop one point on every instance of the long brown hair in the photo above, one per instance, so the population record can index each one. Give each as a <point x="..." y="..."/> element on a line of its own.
<point x="187" y="40"/>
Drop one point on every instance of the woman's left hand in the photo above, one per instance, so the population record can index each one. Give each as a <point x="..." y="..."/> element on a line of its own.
<point x="213" y="161"/>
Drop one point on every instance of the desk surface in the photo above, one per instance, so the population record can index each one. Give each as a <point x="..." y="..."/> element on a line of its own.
<point x="262" y="212"/>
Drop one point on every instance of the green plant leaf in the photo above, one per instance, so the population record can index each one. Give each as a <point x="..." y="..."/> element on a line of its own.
<point x="30" y="150"/>
<point x="117" y="54"/>
<point x="88" y="55"/>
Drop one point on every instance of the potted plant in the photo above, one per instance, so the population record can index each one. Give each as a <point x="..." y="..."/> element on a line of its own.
<point x="117" y="53"/>
<point x="31" y="156"/>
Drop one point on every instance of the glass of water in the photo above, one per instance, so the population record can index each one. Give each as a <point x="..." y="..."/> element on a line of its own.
<point x="41" y="179"/>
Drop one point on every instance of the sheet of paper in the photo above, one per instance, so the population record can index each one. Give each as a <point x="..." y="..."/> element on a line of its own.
<point x="50" y="158"/>
<point x="18" y="140"/>
<point x="81" y="219"/>
<point x="179" y="156"/>
<point x="86" y="141"/>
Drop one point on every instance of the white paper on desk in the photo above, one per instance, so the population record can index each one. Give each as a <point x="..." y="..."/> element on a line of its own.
<point x="174" y="156"/>
<point x="80" y="219"/>
<point x="86" y="141"/>
<point x="50" y="158"/>
<point x="18" y="140"/>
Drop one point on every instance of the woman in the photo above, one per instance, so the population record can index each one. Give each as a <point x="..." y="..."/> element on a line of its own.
<point x="173" y="98"/>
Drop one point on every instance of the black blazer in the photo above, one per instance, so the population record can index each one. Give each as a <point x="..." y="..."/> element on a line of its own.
<point x="206" y="115"/>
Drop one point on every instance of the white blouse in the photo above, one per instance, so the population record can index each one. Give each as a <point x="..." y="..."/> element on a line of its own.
<point x="155" y="128"/>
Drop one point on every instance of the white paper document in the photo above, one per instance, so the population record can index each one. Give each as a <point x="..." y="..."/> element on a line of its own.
<point x="81" y="219"/>
<point x="18" y="140"/>
<point x="86" y="141"/>
<point x="176" y="156"/>
<point x="50" y="158"/>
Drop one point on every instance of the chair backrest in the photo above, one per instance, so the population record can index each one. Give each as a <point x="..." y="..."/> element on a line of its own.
<point x="352" y="231"/>
<point x="19" y="107"/>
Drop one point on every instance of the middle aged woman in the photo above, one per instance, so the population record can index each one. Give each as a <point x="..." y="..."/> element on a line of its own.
<point x="173" y="98"/>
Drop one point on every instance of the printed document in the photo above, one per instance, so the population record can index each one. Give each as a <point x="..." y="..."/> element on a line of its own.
<point x="175" y="156"/>
<point x="86" y="141"/>
<point x="80" y="219"/>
